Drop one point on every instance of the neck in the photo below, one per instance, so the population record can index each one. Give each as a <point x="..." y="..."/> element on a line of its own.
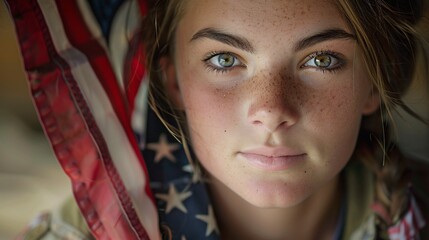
<point x="314" y="218"/>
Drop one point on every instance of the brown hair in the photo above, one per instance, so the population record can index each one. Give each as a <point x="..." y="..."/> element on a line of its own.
<point x="389" y="42"/>
<point x="159" y="29"/>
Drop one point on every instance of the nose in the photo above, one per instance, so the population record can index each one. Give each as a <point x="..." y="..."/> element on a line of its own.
<point x="273" y="104"/>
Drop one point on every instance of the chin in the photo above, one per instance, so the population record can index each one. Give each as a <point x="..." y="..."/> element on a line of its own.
<point x="275" y="195"/>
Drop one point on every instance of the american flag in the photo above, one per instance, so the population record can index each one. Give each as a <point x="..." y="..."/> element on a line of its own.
<point x="84" y="90"/>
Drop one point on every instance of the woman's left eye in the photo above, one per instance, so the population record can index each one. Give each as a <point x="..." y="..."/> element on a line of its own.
<point x="222" y="61"/>
<point x="323" y="61"/>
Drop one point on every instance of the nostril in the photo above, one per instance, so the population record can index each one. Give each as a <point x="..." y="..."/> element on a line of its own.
<point x="282" y="124"/>
<point x="257" y="122"/>
<point x="270" y="126"/>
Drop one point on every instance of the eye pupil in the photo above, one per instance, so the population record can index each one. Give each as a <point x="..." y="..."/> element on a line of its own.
<point x="226" y="60"/>
<point x="322" y="61"/>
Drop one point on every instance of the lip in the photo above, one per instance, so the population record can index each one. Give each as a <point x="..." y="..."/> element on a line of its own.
<point x="273" y="159"/>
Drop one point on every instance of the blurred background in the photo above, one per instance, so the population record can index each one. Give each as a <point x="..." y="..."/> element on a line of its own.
<point x="31" y="180"/>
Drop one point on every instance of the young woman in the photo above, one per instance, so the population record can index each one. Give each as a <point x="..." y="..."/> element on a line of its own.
<point x="283" y="110"/>
<point x="273" y="96"/>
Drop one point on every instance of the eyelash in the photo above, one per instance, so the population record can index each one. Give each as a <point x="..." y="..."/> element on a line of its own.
<point x="211" y="67"/>
<point x="337" y="56"/>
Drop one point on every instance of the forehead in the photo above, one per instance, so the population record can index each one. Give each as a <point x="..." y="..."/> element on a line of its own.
<point x="255" y="16"/>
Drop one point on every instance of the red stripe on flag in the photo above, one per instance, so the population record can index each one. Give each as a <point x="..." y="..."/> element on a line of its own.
<point x="81" y="38"/>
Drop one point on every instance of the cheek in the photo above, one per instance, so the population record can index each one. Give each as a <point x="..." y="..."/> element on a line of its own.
<point x="338" y="98"/>
<point x="211" y="113"/>
<point x="207" y="109"/>
<point x="335" y="106"/>
<point x="335" y="120"/>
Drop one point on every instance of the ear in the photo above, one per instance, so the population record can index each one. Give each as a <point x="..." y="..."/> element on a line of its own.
<point x="170" y="82"/>
<point x="372" y="103"/>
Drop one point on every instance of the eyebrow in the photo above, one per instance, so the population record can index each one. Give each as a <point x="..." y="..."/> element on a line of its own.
<point x="227" y="38"/>
<point x="244" y="44"/>
<point x="329" y="34"/>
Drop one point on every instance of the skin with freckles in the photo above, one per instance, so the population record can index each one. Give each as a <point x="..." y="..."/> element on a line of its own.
<point x="254" y="75"/>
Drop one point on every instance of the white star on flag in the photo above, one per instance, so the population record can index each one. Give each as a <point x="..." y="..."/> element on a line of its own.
<point x="163" y="149"/>
<point x="174" y="199"/>
<point x="210" y="220"/>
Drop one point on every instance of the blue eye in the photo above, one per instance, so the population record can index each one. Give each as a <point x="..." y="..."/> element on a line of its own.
<point x="323" y="61"/>
<point x="223" y="61"/>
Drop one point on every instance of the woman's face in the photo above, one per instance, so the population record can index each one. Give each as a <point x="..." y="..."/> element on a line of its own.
<point x="273" y="91"/>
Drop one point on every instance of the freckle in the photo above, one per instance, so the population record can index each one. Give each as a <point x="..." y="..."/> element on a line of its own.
<point x="224" y="130"/>
<point x="305" y="171"/>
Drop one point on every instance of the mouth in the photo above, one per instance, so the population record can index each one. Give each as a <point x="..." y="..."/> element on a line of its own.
<point x="272" y="159"/>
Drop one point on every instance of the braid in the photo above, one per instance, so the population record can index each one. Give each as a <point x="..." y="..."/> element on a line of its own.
<point x="380" y="156"/>
<point x="387" y="37"/>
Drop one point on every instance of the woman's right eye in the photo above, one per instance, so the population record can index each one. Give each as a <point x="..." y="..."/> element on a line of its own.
<point x="222" y="61"/>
